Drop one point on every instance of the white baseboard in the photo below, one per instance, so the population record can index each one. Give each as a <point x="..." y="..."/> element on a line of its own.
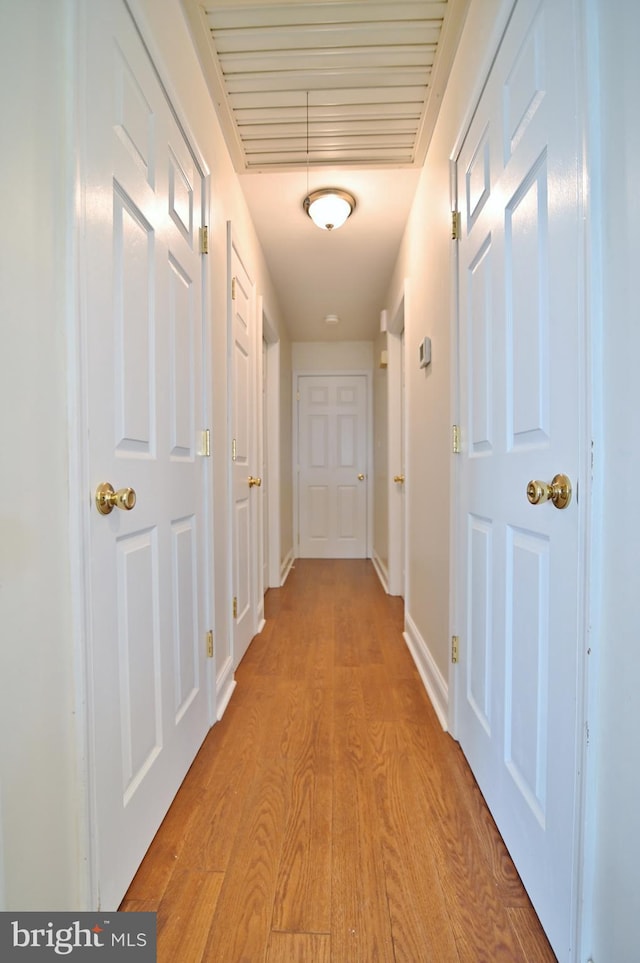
<point x="436" y="686"/>
<point x="286" y="567"/>
<point x="225" y="684"/>
<point x="381" y="571"/>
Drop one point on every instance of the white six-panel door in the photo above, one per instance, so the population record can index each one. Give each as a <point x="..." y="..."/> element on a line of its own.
<point x="332" y="466"/>
<point x="520" y="357"/>
<point x="243" y="417"/>
<point x="144" y="320"/>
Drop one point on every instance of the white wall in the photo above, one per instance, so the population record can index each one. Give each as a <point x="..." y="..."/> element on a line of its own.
<point x="616" y="906"/>
<point x="44" y="855"/>
<point x="39" y="805"/>
<point x="332" y="356"/>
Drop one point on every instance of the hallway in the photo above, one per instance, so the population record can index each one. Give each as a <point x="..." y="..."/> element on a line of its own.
<point x="327" y="817"/>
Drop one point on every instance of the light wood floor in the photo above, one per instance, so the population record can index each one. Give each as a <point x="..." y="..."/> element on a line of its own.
<point x="327" y="817"/>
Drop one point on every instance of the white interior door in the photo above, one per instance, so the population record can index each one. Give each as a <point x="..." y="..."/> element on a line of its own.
<point x="520" y="360"/>
<point x="144" y="318"/>
<point x="400" y="484"/>
<point x="397" y="473"/>
<point x="265" y="469"/>
<point x="244" y="467"/>
<point x="332" y="466"/>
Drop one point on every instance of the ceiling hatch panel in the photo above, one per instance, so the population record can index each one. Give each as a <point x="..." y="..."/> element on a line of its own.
<point x="325" y="82"/>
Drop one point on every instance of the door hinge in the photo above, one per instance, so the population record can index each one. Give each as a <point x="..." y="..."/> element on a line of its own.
<point x="209" y="644"/>
<point x="204" y="239"/>
<point x="234" y="450"/>
<point x="233" y="289"/>
<point x="455" y="439"/>
<point x="455" y="650"/>
<point x="235" y="607"/>
<point x="456" y="225"/>
<point x="205" y="450"/>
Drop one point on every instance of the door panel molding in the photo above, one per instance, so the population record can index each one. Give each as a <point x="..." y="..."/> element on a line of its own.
<point x="503" y="557"/>
<point x="150" y="570"/>
<point x="318" y="446"/>
<point x="242" y="457"/>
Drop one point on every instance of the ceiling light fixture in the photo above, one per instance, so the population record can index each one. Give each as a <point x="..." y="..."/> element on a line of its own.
<point x="328" y="207"/>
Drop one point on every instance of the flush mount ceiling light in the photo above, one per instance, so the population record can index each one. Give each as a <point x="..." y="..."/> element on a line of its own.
<point x="332" y="319"/>
<point x="329" y="207"/>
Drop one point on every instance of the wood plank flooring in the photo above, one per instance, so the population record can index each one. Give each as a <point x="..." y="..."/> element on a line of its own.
<point x="327" y="817"/>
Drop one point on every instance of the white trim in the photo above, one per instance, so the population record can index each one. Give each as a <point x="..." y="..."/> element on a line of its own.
<point x="79" y="485"/>
<point x="286" y="566"/>
<point x="381" y="571"/>
<point x="456" y="550"/>
<point x="3" y="898"/>
<point x="433" y="680"/>
<point x="592" y="494"/>
<point x="208" y="467"/>
<point x="224" y="688"/>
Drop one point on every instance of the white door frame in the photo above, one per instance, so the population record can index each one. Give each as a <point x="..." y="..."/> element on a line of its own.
<point x="397" y="422"/>
<point x="587" y="668"/>
<point x="256" y="377"/>
<point x="324" y="373"/>
<point x="271" y="445"/>
<point x="80" y="494"/>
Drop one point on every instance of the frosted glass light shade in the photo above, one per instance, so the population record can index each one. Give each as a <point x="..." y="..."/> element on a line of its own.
<point x="329" y="208"/>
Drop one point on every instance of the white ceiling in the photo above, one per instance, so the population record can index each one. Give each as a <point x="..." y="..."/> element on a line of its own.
<point x="373" y="74"/>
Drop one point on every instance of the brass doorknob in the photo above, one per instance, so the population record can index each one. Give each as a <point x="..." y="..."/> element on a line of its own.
<point x="360" y="477"/>
<point x="254" y="481"/>
<point x="399" y="479"/>
<point x="558" y="492"/>
<point x="107" y="499"/>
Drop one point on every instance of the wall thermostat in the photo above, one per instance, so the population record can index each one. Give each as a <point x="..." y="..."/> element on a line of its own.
<point x="424" y="352"/>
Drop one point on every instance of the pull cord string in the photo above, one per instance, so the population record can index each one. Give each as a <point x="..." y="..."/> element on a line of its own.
<point x="307" y="143"/>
